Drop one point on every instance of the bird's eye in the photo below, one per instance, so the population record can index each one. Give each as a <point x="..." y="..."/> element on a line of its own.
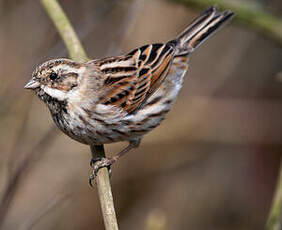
<point x="53" y="76"/>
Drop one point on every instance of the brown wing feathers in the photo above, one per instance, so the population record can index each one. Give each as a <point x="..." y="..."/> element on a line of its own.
<point x="131" y="79"/>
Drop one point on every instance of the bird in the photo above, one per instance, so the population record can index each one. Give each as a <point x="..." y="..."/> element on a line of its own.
<point x="121" y="98"/>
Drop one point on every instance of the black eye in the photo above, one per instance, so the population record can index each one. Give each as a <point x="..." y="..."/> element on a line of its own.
<point x="53" y="76"/>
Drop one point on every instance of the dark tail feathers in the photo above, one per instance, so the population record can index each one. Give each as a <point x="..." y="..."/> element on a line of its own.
<point x="201" y="29"/>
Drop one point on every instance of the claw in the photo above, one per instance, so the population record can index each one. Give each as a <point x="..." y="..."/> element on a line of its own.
<point x="97" y="164"/>
<point x="94" y="160"/>
<point x="91" y="178"/>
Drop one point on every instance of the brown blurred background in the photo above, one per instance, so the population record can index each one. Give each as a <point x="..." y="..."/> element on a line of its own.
<point x="213" y="162"/>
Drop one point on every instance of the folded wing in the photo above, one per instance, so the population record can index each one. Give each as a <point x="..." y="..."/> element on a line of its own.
<point x="130" y="79"/>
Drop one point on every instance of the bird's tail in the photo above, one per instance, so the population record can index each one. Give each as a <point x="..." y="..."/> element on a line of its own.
<point x="201" y="29"/>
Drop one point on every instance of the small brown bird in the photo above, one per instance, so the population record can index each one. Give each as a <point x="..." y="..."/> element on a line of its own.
<point x="120" y="98"/>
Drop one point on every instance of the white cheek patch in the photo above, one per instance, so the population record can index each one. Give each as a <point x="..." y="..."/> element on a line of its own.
<point x="59" y="94"/>
<point x="55" y="93"/>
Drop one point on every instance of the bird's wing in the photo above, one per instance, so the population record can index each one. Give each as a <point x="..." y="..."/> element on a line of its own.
<point x="130" y="79"/>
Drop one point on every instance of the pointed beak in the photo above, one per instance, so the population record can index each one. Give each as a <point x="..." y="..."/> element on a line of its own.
<point x="32" y="84"/>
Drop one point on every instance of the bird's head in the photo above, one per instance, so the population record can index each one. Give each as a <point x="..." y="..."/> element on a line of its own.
<point x="56" y="79"/>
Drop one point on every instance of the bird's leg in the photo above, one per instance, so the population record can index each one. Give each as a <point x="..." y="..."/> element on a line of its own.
<point x="102" y="162"/>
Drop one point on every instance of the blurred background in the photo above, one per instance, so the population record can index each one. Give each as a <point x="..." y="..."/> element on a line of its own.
<point x="212" y="164"/>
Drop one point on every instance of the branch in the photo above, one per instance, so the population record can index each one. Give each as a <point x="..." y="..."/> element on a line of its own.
<point x="65" y="29"/>
<point x="247" y="13"/>
<point x="77" y="52"/>
<point x="274" y="221"/>
<point x="104" y="190"/>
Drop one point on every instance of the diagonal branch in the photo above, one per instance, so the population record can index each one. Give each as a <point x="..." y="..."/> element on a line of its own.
<point x="65" y="29"/>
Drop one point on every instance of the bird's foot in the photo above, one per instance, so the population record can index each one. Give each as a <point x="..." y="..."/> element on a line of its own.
<point x="98" y="163"/>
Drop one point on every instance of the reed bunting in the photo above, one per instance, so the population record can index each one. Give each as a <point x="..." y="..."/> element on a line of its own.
<point x="120" y="98"/>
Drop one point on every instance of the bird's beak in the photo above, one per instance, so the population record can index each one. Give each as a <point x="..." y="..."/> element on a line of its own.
<point x="32" y="84"/>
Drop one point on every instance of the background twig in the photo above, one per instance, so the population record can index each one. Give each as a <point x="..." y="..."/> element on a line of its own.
<point x="51" y="205"/>
<point x="35" y="154"/>
<point x="247" y="13"/>
<point x="274" y="221"/>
